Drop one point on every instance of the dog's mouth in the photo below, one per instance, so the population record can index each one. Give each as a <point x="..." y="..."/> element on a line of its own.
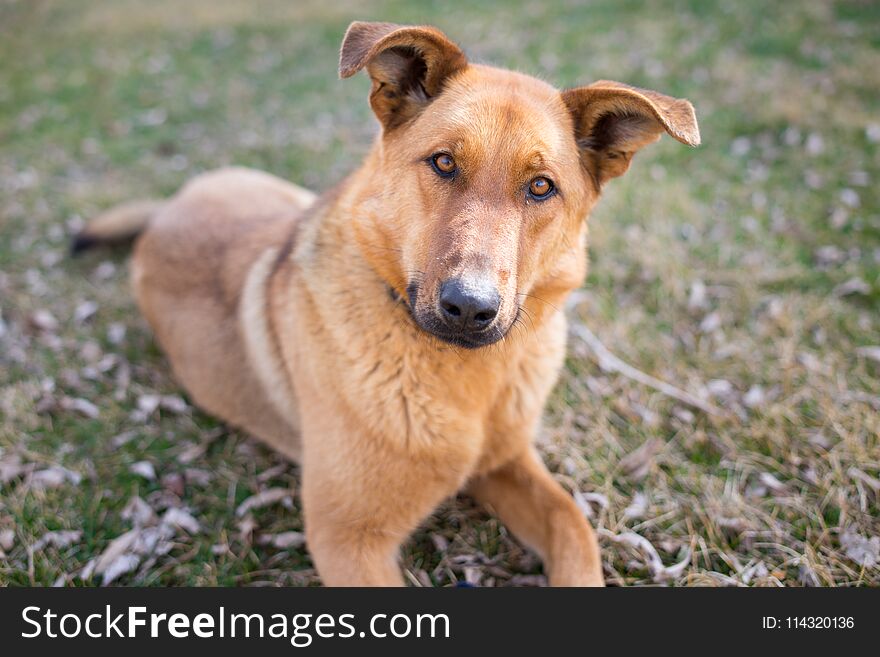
<point x="427" y="320"/>
<point x="467" y="340"/>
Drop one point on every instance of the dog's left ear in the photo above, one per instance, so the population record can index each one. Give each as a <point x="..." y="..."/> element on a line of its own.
<point x="408" y="66"/>
<point x="613" y="120"/>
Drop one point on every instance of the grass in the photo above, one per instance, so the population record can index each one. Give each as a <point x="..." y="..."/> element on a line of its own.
<point x="747" y="271"/>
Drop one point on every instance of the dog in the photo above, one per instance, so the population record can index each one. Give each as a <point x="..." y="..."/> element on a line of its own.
<point x="398" y="336"/>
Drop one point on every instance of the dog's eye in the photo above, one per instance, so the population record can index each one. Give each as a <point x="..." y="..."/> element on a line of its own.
<point x="541" y="188"/>
<point x="444" y="164"/>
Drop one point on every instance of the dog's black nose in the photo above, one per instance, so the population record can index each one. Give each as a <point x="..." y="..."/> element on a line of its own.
<point x="468" y="305"/>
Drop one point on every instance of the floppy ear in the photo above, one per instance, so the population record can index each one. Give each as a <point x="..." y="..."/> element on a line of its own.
<point x="408" y="66"/>
<point x="613" y="120"/>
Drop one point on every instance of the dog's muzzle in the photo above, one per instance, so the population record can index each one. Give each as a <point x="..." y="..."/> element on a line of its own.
<point x="466" y="313"/>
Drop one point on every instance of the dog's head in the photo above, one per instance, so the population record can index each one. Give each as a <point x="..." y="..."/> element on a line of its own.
<point x="475" y="197"/>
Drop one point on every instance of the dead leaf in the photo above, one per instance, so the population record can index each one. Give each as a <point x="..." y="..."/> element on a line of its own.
<point x="143" y="469"/>
<point x="854" y="285"/>
<point x="710" y="323"/>
<point x="52" y="478"/>
<point x="138" y="512"/>
<point x="737" y="524"/>
<point x="123" y="438"/>
<point x="59" y="539"/>
<point x="148" y="403"/>
<point x="754" y="571"/>
<point x="772" y="482"/>
<point x="43" y="320"/>
<point x="104" y="271"/>
<point x="7" y="539"/>
<point x="267" y="497"/>
<point x="79" y="405"/>
<point x="473" y="575"/>
<point x="812" y="363"/>
<point x="146" y="406"/>
<point x="850" y="197"/>
<point x="91" y="352"/>
<point x="585" y="501"/>
<point x="271" y="473"/>
<point x="440" y="542"/>
<point x="126" y="551"/>
<point x="174" y="404"/>
<point x="246" y="527"/>
<point x="637" y="463"/>
<point x="637" y="508"/>
<point x="180" y="519"/>
<point x="872" y="352"/>
<point x="697" y="298"/>
<point x="755" y="397"/>
<point x="84" y="312"/>
<point x="124" y="563"/>
<point x="116" y="333"/>
<point x="286" y="540"/>
<point x="815" y="145"/>
<point x="116" y="548"/>
<point x="192" y="452"/>
<point x="807" y="575"/>
<point x="175" y="483"/>
<point x="863" y="551"/>
<point x="858" y="475"/>
<point x="12" y="467"/>
<point x="198" y="476"/>
<point x="196" y="450"/>
<point x="829" y="256"/>
<point x="719" y="388"/>
<point x="659" y="572"/>
<point x="684" y="415"/>
<point x="87" y="571"/>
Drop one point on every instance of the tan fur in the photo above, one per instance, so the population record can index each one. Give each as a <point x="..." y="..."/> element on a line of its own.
<point x="260" y="343"/>
<point x="305" y="324"/>
<point x="118" y="224"/>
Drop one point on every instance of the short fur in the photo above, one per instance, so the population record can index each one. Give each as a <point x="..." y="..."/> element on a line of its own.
<point x="313" y="324"/>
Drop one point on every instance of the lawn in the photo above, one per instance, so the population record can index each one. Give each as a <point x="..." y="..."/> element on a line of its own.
<point x="746" y="272"/>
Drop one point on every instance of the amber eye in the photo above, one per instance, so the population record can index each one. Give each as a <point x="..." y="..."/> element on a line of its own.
<point x="540" y="188"/>
<point x="443" y="163"/>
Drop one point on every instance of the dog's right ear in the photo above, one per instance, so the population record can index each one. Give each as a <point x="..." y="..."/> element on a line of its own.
<point x="408" y="66"/>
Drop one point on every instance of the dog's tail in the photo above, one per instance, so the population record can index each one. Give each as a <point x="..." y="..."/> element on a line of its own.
<point x="120" y="223"/>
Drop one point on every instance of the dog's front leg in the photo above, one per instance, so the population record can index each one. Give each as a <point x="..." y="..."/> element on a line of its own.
<point x="538" y="510"/>
<point x="361" y="505"/>
<point x="352" y="555"/>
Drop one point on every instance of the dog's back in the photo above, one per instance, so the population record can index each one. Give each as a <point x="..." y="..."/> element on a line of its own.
<point x="189" y="274"/>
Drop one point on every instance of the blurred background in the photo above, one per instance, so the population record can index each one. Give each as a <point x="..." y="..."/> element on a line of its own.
<point x="745" y="272"/>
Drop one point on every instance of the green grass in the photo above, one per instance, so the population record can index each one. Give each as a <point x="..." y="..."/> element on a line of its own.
<point x="102" y="101"/>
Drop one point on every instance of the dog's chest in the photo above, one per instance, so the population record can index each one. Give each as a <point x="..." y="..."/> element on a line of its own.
<point x="463" y="410"/>
<point x="476" y="408"/>
<point x="429" y="403"/>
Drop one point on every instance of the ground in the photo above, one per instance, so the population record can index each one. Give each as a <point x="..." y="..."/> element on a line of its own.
<point x="746" y="272"/>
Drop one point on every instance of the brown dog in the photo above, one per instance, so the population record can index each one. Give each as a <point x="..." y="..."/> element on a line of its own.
<point x="372" y="335"/>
